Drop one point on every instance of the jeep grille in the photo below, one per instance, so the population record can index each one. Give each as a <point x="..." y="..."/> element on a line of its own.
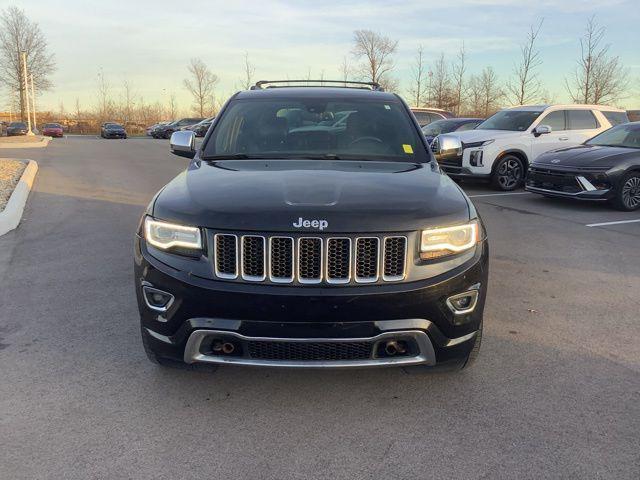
<point x="337" y="260"/>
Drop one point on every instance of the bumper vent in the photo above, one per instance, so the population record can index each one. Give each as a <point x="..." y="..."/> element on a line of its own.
<point x="310" y="260"/>
<point x="309" y="350"/>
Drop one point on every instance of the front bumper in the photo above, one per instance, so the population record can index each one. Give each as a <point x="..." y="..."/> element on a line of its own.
<point x="309" y="319"/>
<point x="567" y="183"/>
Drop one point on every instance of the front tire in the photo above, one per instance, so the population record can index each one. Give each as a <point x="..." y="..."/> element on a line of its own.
<point x="627" y="196"/>
<point x="508" y="173"/>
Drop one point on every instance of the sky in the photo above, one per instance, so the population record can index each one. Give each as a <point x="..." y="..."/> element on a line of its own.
<point x="150" y="43"/>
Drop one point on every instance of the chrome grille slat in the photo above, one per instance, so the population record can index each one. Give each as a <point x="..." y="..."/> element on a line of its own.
<point x="338" y="260"/>
<point x="253" y="258"/>
<point x="226" y="256"/>
<point x="395" y="258"/>
<point x="367" y="259"/>
<point x="281" y="259"/>
<point x="310" y="259"/>
<point x="304" y="260"/>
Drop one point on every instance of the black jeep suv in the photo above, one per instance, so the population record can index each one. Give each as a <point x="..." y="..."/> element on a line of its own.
<point x="296" y="240"/>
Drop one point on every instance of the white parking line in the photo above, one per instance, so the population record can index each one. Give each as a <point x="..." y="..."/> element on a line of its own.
<point x="612" y="223"/>
<point x="499" y="194"/>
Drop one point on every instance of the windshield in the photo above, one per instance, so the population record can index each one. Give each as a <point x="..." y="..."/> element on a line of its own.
<point x="441" y="126"/>
<point x="316" y="128"/>
<point x="511" y="120"/>
<point x="18" y="125"/>
<point x="627" y="136"/>
<point x="113" y="125"/>
<point x="52" y="125"/>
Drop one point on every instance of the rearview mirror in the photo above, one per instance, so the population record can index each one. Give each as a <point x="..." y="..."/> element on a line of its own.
<point x="183" y="143"/>
<point x="541" y="130"/>
<point x="447" y="145"/>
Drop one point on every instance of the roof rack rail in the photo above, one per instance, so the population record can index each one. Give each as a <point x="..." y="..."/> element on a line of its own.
<point x="262" y="84"/>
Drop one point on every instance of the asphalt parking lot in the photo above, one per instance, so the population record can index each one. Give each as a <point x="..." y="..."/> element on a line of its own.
<point x="554" y="394"/>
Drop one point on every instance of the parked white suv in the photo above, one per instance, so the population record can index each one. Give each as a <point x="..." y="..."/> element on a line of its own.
<point x="501" y="148"/>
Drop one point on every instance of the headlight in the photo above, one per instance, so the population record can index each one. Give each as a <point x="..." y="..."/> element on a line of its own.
<point x="165" y="235"/>
<point x="440" y="242"/>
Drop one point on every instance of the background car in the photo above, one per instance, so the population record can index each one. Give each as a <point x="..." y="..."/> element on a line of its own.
<point x="201" y="128"/>
<point x="113" y="130"/>
<point x="427" y="115"/>
<point x="17" y="128"/>
<point x="502" y="147"/>
<point x="53" y="130"/>
<point x="605" y="168"/>
<point x="434" y="129"/>
<point x="165" y="131"/>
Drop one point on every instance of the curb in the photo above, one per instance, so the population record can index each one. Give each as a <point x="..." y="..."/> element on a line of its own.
<point x="44" y="141"/>
<point x="12" y="213"/>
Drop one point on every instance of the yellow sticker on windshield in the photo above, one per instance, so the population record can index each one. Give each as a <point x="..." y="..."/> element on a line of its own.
<point x="407" y="148"/>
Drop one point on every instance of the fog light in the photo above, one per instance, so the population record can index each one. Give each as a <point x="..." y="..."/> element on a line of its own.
<point x="463" y="303"/>
<point x="157" y="299"/>
<point x="475" y="158"/>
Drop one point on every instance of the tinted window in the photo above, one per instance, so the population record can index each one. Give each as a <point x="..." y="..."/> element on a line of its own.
<point x="616" y="118"/>
<point x="310" y="127"/>
<point x="581" y="120"/>
<point x="440" y="126"/>
<point x="627" y="135"/>
<point x="18" y="125"/>
<point x="511" y="120"/>
<point x="555" y="120"/>
<point x="467" y="126"/>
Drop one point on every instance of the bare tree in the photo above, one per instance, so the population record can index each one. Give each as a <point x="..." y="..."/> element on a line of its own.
<point x="490" y="91"/>
<point x="128" y="101"/>
<point x="441" y="90"/>
<point x="105" y="103"/>
<point x="345" y="70"/>
<point x="173" y="106"/>
<point x="376" y="53"/>
<point x="201" y="85"/>
<point x="419" y="86"/>
<point x="458" y="72"/>
<point x="249" y="72"/>
<point x="525" y="87"/>
<point x="598" y="78"/>
<point x="17" y="35"/>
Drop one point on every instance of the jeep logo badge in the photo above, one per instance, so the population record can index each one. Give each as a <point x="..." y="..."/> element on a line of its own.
<point x="319" y="224"/>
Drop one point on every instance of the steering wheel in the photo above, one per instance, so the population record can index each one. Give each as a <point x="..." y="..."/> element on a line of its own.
<point x="365" y="139"/>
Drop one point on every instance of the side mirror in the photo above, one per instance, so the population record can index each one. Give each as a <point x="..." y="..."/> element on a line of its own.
<point x="541" y="130"/>
<point x="183" y="143"/>
<point x="445" y="145"/>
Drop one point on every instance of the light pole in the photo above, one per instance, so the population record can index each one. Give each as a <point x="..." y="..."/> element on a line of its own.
<point x="33" y="103"/>
<point x="26" y="91"/>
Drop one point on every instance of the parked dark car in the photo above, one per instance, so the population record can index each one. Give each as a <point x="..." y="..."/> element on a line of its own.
<point x="285" y="246"/>
<point x="201" y="128"/>
<point x="17" y="128"/>
<point x="165" y="131"/>
<point x="113" y="130"/>
<point x="53" y="130"/>
<point x="427" y="115"/>
<point x="434" y="129"/>
<point x="605" y="168"/>
<point x="153" y="127"/>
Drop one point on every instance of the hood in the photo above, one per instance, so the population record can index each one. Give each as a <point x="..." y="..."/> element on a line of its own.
<point x="352" y="196"/>
<point x="587" y="156"/>
<point x="472" y="136"/>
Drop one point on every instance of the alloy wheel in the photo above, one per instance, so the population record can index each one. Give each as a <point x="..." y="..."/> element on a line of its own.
<point x="631" y="193"/>
<point x="509" y="173"/>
